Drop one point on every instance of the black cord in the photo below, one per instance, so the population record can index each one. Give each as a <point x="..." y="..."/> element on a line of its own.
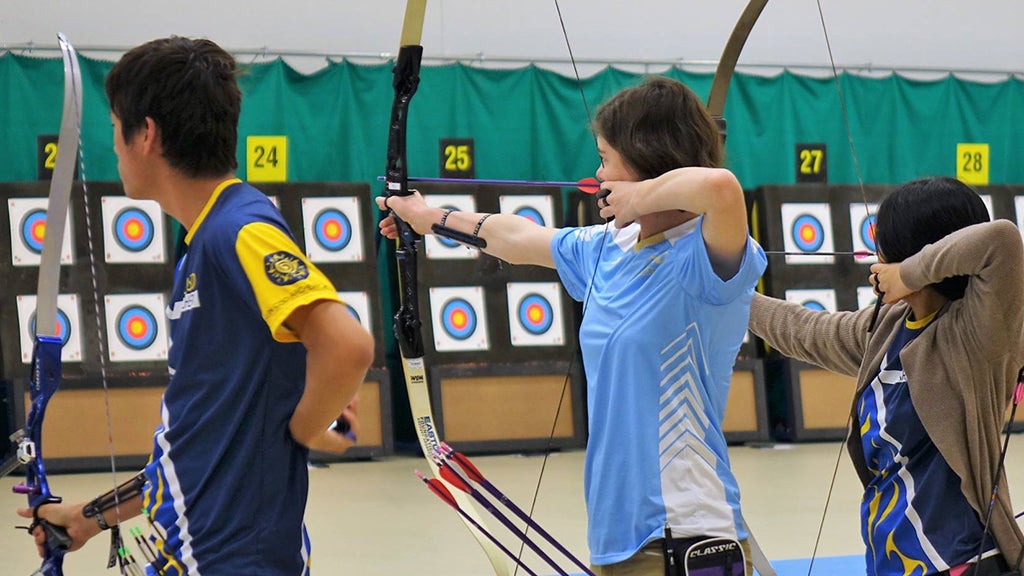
<point x="995" y="484"/>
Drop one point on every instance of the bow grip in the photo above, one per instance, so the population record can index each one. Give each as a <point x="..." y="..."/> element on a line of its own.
<point x="57" y="543"/>
<point x="57" y="539"/>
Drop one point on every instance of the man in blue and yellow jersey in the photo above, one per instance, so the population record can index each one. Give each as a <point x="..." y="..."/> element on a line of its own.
<point x="264" y="356"/>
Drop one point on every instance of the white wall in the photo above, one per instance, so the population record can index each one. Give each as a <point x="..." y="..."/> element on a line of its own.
<point x="946" y="34"/>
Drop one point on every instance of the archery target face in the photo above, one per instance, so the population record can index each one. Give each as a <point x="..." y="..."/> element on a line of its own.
<point x="333" y="229"/>
<point x="537" y="208"/>
<point x="28" y="230"/>
<point x="358" y="305"/>
<point x="535" y="314"/>
<point x="865" y="297"/>
<point x="136" y="327"/>
<point x="439" y="247"/>
<point x="815" y="299"/>
<point x="806" y="231"/>
<point x="69" y="326"/>
<point x="458" y="319"/>
<point x="862" y="227"/>
<point x="133" y="230"/>
<point x="1018" y="206"/>
<point x="988" y="206"/>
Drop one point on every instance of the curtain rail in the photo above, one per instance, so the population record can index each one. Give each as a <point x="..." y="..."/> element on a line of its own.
<point x="482" y="59"/>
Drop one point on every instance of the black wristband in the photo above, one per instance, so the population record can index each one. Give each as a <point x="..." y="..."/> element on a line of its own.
<point x="444" y="217"/>
<point x="476" y="231"/>
<point x="101" y="521"/>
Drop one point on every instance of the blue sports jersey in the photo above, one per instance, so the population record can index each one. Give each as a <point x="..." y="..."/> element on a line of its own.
<point x="227" y="483"/>
<point x="659" y="338"/>
<point x="915" y="519"/>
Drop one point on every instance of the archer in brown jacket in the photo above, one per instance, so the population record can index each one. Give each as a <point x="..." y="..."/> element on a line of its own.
<point x="934" y="379"/>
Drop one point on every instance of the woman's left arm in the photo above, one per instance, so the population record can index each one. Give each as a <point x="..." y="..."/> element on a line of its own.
<point x="713" y="192"/>
<point x="992" y="254"/>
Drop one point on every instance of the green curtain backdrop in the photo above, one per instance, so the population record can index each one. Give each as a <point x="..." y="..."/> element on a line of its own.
<point x="531" y="123"/>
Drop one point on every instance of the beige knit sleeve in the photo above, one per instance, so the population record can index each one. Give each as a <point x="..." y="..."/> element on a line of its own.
<point x="992" y="254"/>
<point x="832" y="340"/>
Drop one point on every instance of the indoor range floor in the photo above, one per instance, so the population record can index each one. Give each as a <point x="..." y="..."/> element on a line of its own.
<point x="375" y="518"/>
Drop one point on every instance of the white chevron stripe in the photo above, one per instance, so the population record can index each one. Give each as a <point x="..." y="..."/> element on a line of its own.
<point x="681" y="419"/>
<point x="686" y="398"/>
<point x="690" y="441"/>
<point x="689" y="468"/>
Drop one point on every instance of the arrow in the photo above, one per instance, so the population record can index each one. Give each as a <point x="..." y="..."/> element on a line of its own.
<point x="588" y="185"/>
<point x="456" y="479"/>
<point x="442" y="492"/>
<point x="474" y="474"/>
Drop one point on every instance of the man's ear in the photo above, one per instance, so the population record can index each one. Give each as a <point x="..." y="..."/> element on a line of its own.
<point x="150" y="134"/>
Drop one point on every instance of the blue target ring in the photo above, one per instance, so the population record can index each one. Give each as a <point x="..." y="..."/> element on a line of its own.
<point x="807" y="232"/>
<point x="136" y="327"/>
<point x="535" y="314"/>
<point x="133" y="229"/>
<point x="531" y="213"/>
<point x="63" y="327"/>
<point x="332" y="229"/>
<point x="867" y="232"/>
<point x="353" y="312"/>
<point x="814" y="305"/>
<point x="448" y="242"/>
<point x="458" y="318"/>
<point x="33" y="230"/>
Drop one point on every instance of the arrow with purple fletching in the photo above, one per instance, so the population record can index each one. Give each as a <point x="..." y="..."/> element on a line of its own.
<point x="442" y="492"/>
<point x="473" y="473"/>
<point x="453" y="477"/>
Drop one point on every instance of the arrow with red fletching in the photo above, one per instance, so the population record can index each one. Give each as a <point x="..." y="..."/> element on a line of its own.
<point x="442" y="492"/>
<point x="454" y="478"/>
<point x="476" y="476"/>
<point x="587" y="185"/>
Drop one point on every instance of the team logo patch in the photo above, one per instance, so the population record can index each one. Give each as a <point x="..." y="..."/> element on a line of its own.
<point x="283" y="268"/>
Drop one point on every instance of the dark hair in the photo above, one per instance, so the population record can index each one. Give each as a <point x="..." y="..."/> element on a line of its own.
<point x="188" y="88"/>
<point x="659" y="126"/>
<point x="922" y="212"/>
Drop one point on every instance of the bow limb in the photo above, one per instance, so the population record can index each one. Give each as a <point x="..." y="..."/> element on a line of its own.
<point x="716" y="107"/>
<point x="407" y="321"/>
<point x="727" y="63"/>
<point x="46" y="360"/>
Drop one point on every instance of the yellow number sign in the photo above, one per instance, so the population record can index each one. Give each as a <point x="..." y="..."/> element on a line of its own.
<point x="972" y="163"/>
<point x="266" y="158"/>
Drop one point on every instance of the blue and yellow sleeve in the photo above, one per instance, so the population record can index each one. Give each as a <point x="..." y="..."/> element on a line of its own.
<point x="281" y="277"/>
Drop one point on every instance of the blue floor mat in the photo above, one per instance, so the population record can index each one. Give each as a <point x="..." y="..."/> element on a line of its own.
<point x="823" y="566"/>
